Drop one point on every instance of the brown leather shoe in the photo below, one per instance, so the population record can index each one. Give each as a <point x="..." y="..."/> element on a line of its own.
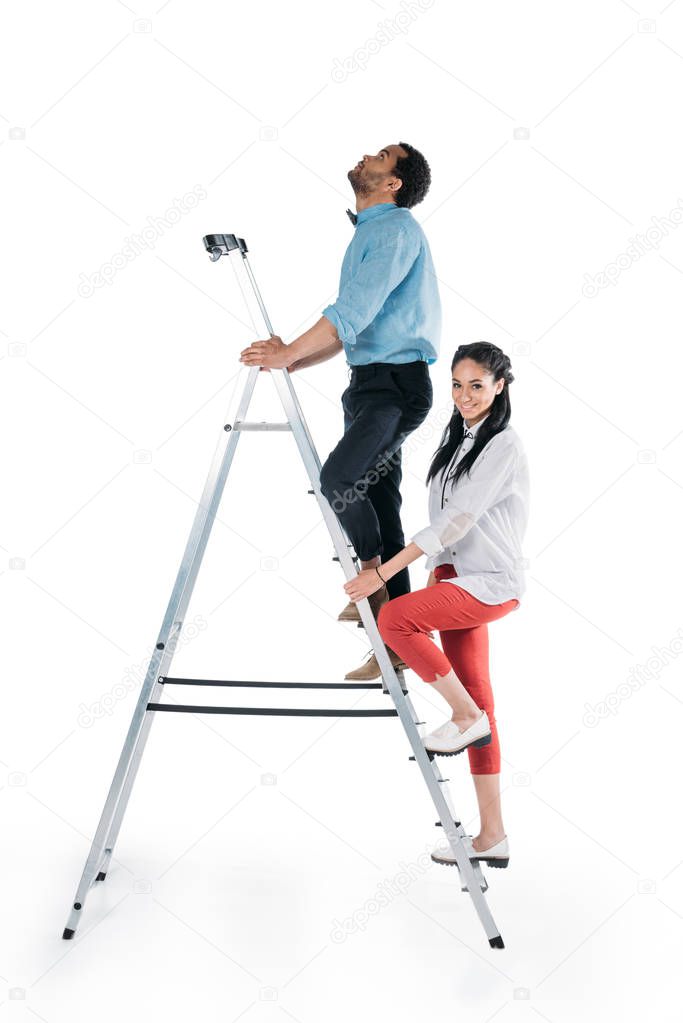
<point x="370" y="668"/>
<point x="350" y="613"/>
<point x="375" y="600"/>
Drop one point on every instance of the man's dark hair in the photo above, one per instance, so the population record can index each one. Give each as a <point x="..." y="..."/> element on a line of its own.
<point x="414" y="172"/>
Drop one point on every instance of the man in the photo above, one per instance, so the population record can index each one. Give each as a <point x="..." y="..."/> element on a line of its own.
<point x="387" y="319"/>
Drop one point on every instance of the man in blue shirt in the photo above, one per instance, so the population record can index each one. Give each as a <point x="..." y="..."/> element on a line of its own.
<point x="387" y="320"/>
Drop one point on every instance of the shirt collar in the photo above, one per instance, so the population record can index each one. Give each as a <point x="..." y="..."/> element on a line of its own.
<point x="369" y="212"/>
<point x="473" y="429"/>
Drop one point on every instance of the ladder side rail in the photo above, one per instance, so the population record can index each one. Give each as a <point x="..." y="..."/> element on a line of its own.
<point x="120" y="789"/>
<point x="181" y="594"/>
<point x="388" y="673"/>
<point x="293" y="394"/>
<point x="454" y="816"/>
<point x="161" y="660"/>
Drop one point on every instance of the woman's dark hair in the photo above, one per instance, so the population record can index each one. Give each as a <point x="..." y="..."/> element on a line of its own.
<point x="416" y="177"/>
<point x="496" y="362"/>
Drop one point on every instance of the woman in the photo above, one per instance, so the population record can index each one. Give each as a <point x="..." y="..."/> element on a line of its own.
<point x="478" y="511"/>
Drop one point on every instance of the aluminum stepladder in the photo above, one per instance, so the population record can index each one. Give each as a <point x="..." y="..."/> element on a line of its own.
<point x="101" y="851"/>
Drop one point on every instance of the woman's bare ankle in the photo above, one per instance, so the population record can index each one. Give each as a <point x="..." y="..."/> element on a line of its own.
<point x="466" y="719"/>
<point x="488" y="838"/>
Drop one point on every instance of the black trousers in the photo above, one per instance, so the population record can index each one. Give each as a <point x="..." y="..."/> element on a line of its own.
<point x="383" y="403"/>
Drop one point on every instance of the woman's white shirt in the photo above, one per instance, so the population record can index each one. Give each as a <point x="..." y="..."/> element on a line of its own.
<point x="478" y="525"/>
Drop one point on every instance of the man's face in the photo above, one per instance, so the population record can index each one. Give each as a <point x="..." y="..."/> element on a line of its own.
<point x="373" y="172"/>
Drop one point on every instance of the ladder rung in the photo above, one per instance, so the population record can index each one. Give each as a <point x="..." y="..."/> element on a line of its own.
<point x="268" y="685"/>
<point x="241" y="426"/>
<point x="186" y="708"/>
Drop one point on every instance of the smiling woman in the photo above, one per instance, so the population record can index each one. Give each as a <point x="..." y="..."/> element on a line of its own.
<point x="478" y="512"/>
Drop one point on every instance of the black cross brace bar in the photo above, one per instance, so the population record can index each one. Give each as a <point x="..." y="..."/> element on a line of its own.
<point x="186" y="708"/>
<point x="166" y="680"/>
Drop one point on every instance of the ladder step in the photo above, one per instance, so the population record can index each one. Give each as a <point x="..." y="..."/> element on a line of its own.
<point x="354" y="557"/>
<point x="241" y="426"/>
<point x="186" y="708"/>
<point x="268" y="685"/>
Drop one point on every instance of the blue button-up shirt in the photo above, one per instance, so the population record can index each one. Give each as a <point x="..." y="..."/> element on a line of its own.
<point x="388" y="309"/>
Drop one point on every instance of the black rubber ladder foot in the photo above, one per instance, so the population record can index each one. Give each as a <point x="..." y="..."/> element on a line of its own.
<point x="438" y="824"/>
<point x="496" y="942"/>
<point x="68" y="933"/>
<point x="101" y="876"/>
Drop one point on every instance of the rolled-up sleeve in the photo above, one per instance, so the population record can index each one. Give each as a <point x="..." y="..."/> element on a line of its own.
<point x="437" y="559"/>
<point x="469" y="499"/>
<point x="380" y="271"/>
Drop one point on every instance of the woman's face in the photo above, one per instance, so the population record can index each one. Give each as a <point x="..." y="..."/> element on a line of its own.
<point x="474" y="390"/>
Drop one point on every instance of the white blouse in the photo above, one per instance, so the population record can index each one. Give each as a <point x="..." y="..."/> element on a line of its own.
<point x="478" y="525"/>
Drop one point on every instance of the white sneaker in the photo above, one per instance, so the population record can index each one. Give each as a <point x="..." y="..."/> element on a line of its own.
<point x="448" y="740"/>
<point x="497" y="855"/>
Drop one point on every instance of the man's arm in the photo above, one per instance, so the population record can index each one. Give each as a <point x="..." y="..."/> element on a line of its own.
<point x="321" y="336"/>
<point x="275" y="354"/>
<point x="381" y="270"/>
<point x="320" y="356"/>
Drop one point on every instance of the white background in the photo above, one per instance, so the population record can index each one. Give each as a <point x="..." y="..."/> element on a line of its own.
<point x="553" y="132"/>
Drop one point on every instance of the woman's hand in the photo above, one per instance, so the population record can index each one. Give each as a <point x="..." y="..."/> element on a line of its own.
<point x="432" y="579"/>
<point x="365" y="583"/>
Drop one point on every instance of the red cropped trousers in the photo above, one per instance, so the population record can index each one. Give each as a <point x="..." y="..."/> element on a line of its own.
<point x="461" y="621"/>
